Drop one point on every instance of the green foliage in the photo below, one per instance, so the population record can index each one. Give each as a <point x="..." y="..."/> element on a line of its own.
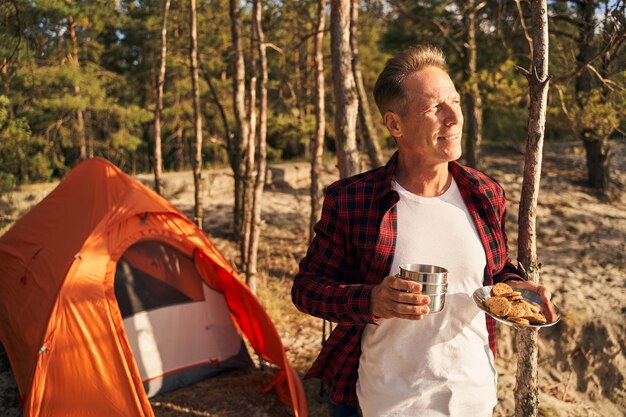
<point x="111" y="80"/>
<point x="505" y="100"/>
<point x="130" y="121"/>
<point x="599" y="112"/>
<point x="591" y="97"/>
<point x="289" y="134"/>
<point x="23" y="157"/>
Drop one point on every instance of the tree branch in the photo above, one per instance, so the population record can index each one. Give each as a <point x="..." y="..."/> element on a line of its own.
<point x="523" y="23"/>
<point x="611" y="85"/>
<point x="447" y="38"/>
<point x="618" y="40"/>
<point x="522" y="70"/>
<point x="480" y="6"/>
<point x="306" y="36"/>
<point x="565" y="18"/>
<point x="7" y="60"/>
<point x="274" y="47"/>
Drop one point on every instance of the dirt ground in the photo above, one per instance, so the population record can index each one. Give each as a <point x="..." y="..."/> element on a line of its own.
<point x="581" y="244"/>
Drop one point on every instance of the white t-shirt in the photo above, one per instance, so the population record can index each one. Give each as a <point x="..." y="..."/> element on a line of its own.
<point x="440" y="365"/>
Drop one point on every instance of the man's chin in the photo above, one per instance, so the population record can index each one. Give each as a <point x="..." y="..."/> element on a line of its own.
<point x="454" y="155"/>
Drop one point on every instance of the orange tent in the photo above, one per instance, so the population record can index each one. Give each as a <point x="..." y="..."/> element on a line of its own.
<point x="65" y="267"/>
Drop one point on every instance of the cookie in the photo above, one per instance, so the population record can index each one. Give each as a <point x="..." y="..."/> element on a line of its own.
<point x="518" y="320"/>
<point x="517" y="311"/>
<point x="514" y="296"/>
<point x="535" y="307"/>
<point x="509" y="304"/>
<point x="501" y="288"/>
<point x="538" y="318"/>
<point x="528" y="308"/>
<point x="498" y="306"/>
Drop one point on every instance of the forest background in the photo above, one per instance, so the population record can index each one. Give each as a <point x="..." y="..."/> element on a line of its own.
<point x="91" y="78"/>
<point x="79" y="78"/>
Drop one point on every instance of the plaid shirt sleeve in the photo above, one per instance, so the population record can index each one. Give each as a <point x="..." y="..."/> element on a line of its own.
<point x="321" y="287"/>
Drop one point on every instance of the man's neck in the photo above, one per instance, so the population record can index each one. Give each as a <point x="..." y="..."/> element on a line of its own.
<point x="423" y="180"/>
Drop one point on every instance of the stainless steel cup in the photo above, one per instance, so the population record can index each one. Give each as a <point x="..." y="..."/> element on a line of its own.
<point x="437" y="302"/>
<point x="434" y="280"/>
<point x="424" y="273"/>
<point x="428" y="288"/>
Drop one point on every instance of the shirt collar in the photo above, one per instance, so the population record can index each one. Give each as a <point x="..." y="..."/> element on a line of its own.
<point x="389" y="172"/>
<point x="461" y="175"/>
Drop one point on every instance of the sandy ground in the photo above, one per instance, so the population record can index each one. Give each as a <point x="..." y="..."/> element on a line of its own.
<point x="581" y="245"/>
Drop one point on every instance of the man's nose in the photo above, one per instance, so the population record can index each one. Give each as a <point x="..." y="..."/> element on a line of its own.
<point x="453" y="115"/>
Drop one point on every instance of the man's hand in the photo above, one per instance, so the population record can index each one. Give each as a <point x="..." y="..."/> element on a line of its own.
<point x="397" y="297"/>
<point x="544" y="293"/>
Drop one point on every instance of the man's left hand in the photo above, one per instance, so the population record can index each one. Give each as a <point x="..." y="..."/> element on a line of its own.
<point x="544" y="293"/>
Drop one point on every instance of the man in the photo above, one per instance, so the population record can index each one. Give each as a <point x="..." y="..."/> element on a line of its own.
<point x="387" y="356"/>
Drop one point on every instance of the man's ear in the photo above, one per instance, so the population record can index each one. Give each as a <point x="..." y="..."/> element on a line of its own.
<point x="392" y="122"/>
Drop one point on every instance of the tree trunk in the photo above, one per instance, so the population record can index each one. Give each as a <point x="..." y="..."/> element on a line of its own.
<point x="344" y="87"/>
<point x="298" y="83"/>
<point x="526" y="393"/>
<point x="248" y="183"/>
<point x="241" y="127"/>
<point x="90" y="139"/>
<point x="596" y="146"/>
<point x="158" y="158"/>
<point x="598" y="154"/>
<point x="180" y="146"/>
<point x="317" y="145"/>
<point x="197" y="115"/>
<point x="255" y="225"/>
<point x="80" y="122"/>
<point x="307" y="74"/>
<point x="370" y="138"/>
<point x="179" y="137"/>
<point x="473" y="100"/>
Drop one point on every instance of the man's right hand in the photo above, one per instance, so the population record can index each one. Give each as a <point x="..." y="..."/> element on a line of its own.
<point x="397" y="297"/>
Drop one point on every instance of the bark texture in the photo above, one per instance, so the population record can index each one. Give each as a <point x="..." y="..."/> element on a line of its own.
<point x="526" y="392"/>
<point x="261" y="154"/>
<point x="344" y="87"/>
<point x="197" y="115"/>
<point x="370" y="138"/>
<point x="237" y="161"/>
<point x="158" y="158"/>
<point x="317" y="145"/>
<point x="248" y="177"/>
<point x="80" y="121"/>
<point x="473" y="99"/>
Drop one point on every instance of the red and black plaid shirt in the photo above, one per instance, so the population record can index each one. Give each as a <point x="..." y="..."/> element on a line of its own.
<point x="353" y="250"/>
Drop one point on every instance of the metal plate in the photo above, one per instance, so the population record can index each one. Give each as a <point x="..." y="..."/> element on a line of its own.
<point x="484" y="293"/>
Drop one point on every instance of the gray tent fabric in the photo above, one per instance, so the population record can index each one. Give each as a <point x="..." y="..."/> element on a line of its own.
<point x="146" y="281"/>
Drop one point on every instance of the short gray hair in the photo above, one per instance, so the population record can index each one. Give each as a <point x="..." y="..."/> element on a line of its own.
<point x="389" y="91"/>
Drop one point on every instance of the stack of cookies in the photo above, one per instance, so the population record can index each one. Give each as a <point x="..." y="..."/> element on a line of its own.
<point x="510" y="305"/>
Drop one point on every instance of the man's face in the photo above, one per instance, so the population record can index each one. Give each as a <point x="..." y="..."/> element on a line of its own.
<point x="430" y="127"/>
